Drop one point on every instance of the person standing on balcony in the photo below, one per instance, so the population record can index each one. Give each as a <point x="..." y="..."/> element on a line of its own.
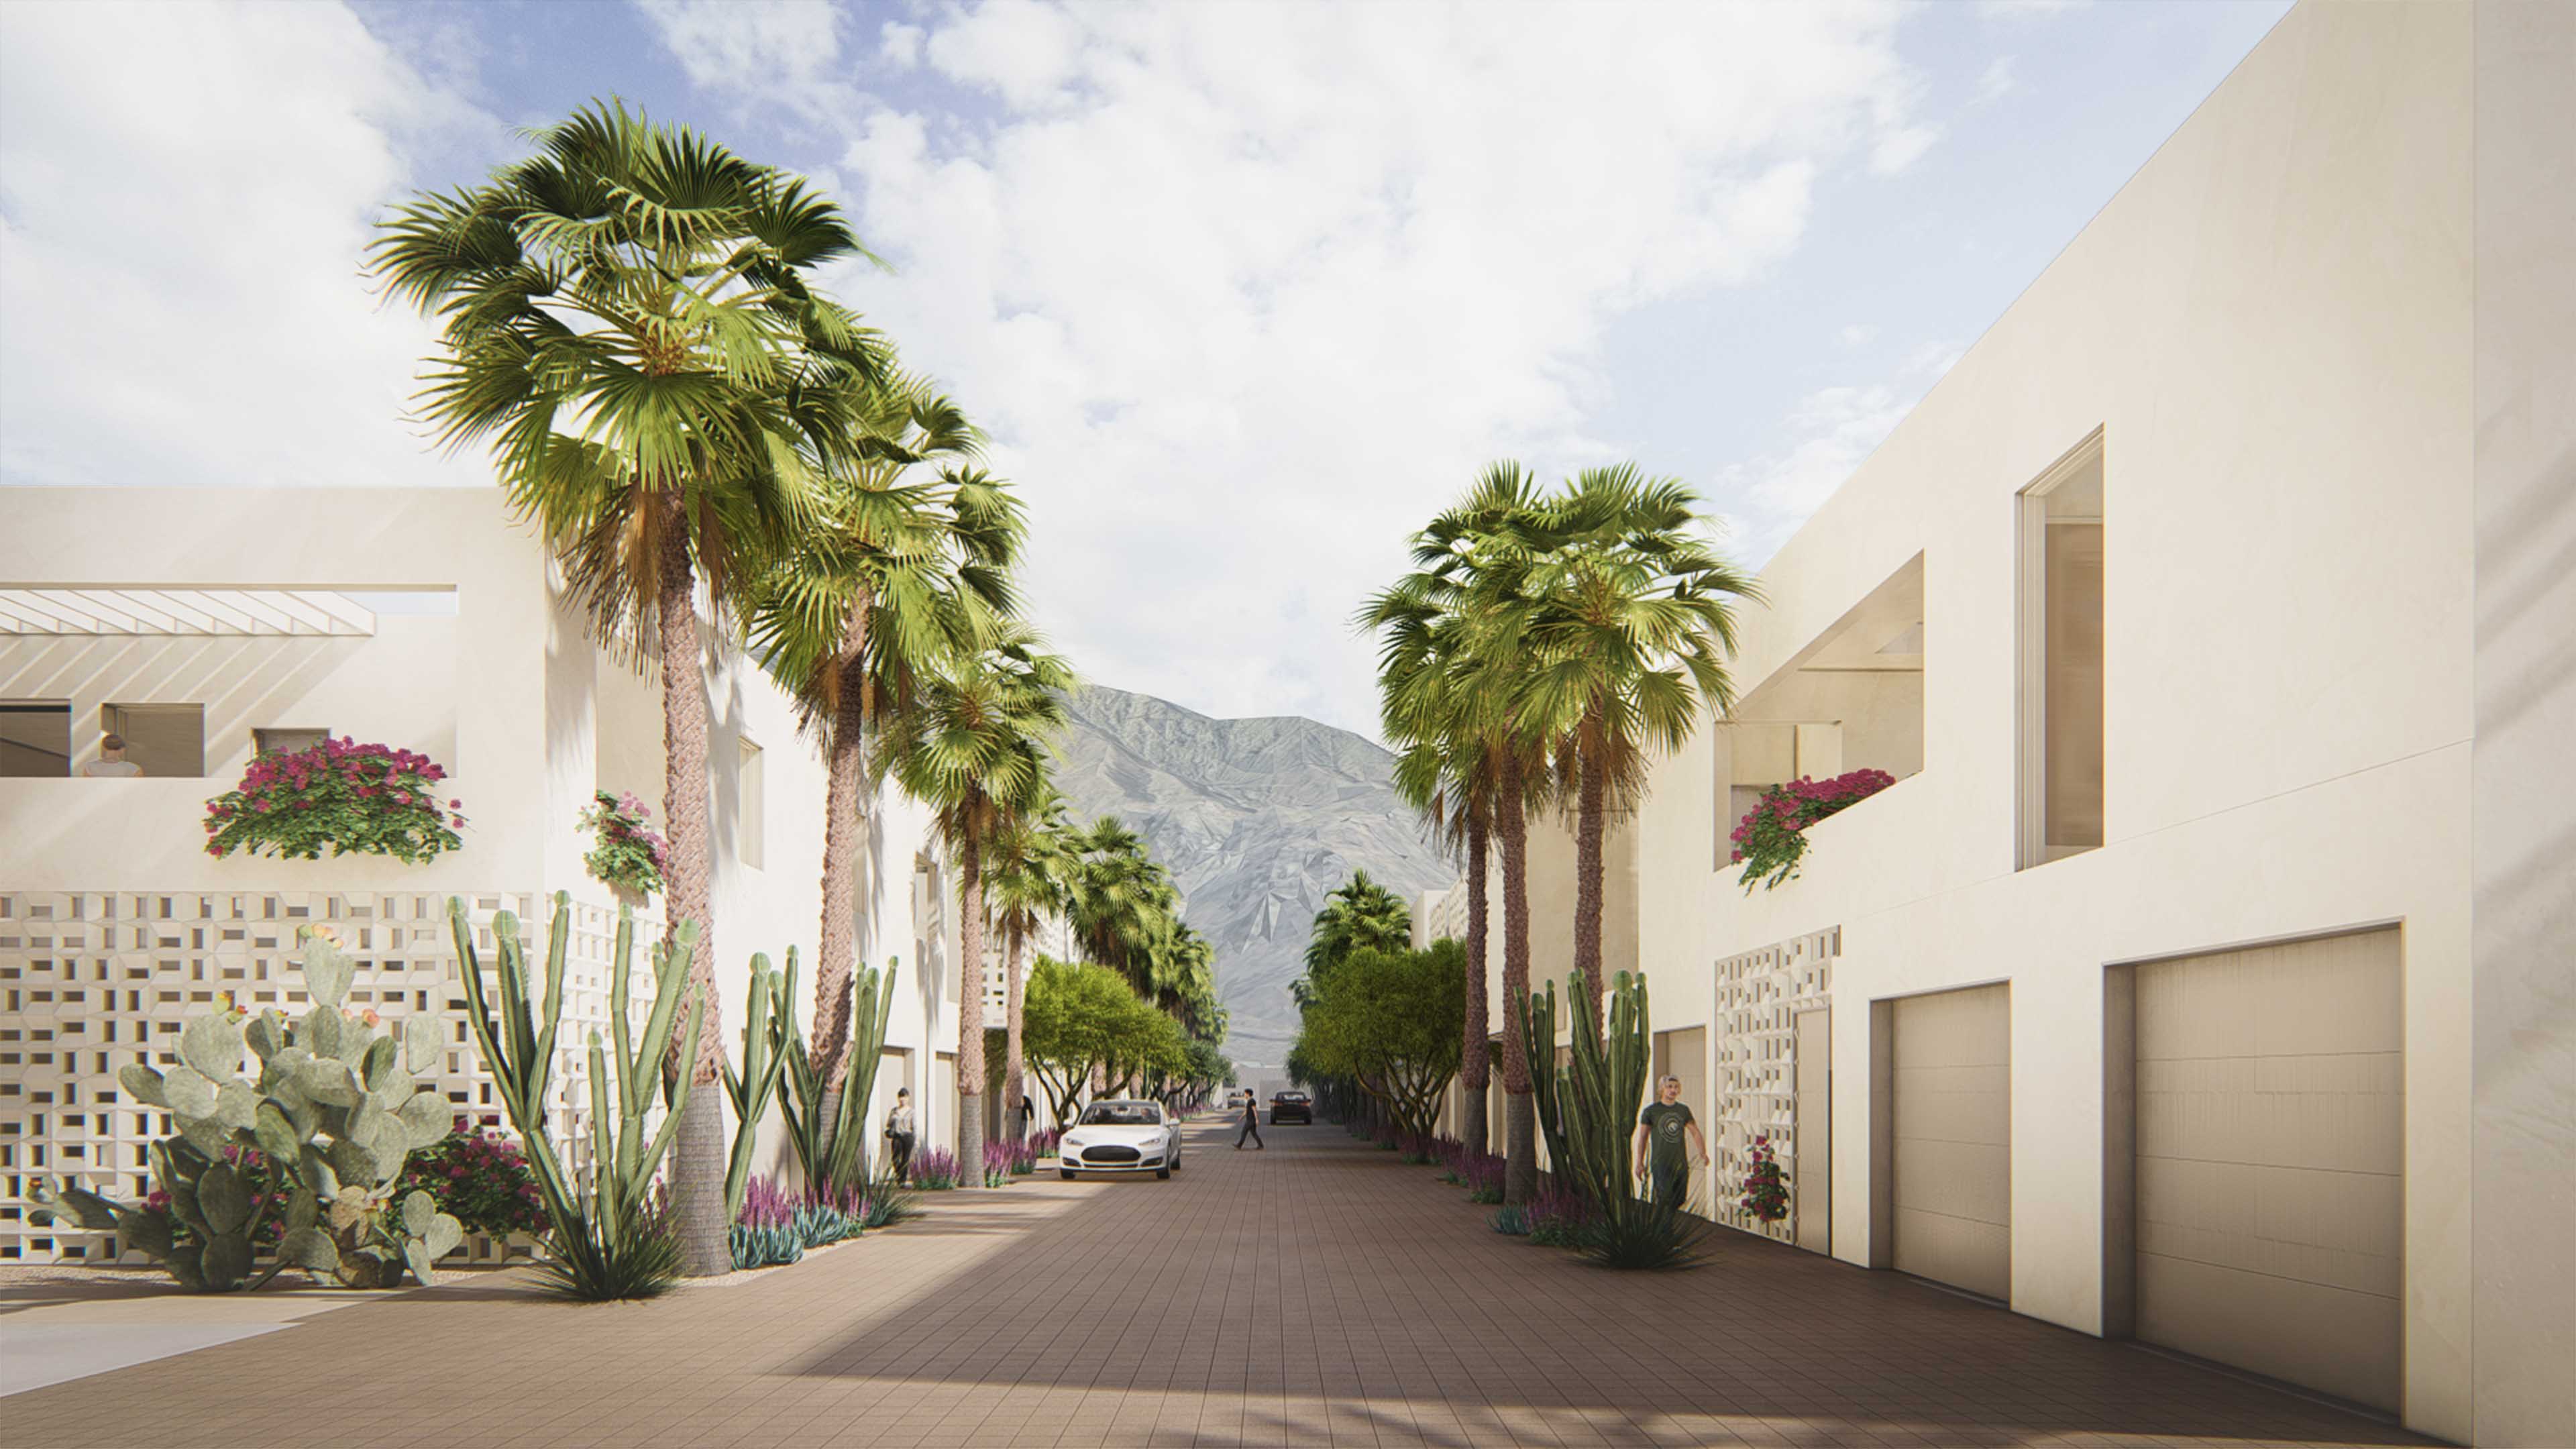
<point x="1674" y="1136"/>
<point x="111" y="763"/>
<point x="899" y="1133"/>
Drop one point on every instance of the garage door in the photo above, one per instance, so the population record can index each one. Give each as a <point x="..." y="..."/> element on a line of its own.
<point x="1953" y="1138"/>
<point x="2269" y="1171"/>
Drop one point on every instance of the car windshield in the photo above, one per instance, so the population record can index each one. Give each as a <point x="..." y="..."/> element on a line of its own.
<point x="1121" y="1114"/>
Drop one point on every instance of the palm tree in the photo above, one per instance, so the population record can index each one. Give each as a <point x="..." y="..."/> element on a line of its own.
<point x="1358" y="915"/>
<point x="1447" y="679"/>
<point x="1025" y="883"/>
<point x="975" y="750"/>
<point x="1120" y="901"/>
<point x="895" y="571"/>
<point x="1627" y="618"/>
<point x="627" y="320"/>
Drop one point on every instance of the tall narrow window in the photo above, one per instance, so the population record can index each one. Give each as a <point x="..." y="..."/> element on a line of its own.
<point x="2061" y="649"/>
<point x="748" y="824"/>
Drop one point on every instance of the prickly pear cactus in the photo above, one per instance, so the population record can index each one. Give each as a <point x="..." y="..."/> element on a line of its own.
<point x="335" y="1106"/>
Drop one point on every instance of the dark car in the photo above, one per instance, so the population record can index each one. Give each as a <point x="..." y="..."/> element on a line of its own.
<point x="1291" y="1107"/>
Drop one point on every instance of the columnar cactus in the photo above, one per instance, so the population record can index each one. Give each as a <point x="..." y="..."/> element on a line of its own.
<point x="767" y="1028"/>
<point x="833" y="1150"/>
<point x="334" y="1109"/>
<point x="589" y="1228"/>
<point x="1588" y="1110"/>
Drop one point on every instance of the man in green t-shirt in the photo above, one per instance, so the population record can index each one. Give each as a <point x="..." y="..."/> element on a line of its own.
<point x="1666" y="1142"/>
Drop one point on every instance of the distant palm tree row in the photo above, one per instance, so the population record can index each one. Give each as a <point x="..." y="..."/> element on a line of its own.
<point x="1545" y="642"/>
<point x="630" y="322"/>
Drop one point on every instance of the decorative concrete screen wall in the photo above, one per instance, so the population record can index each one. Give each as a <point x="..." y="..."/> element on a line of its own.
<point x="90" y="981"/>
<point x="1759" y="995"/>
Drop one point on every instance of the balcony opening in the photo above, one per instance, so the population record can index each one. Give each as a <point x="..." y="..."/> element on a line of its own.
<point x="1852" y="700"/>
<point x="35" y="739"/>
<point x="286" y="741"/>
<point x="168" y="741"/>
<point x="2061" y="566"/>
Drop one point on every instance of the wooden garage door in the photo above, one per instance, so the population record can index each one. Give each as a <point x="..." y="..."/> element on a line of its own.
<point x="2270" y="1172"/>
<point x="1953" y="1138"/>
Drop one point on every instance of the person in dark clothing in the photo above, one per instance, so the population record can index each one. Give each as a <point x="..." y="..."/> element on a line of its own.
<point x="899" y="1134"/>
<point x="1659" y="1145"/>
<point x="1251" y="1125"/>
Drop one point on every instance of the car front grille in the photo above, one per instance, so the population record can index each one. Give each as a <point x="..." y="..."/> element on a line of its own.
<point x="1113" y="1152"/>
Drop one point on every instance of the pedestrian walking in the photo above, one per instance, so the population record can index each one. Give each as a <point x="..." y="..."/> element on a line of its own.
<point x="899" y="1134"/>
<point x="1251" y="1125"/>
<point x="1666" y="1140"/>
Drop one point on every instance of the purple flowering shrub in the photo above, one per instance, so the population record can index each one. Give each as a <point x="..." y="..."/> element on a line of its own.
<point x="1482" y="1172"/>
<point x="357" y="799"/>
<point x="626" y="851"/>
<point x="935" y="1170"/>
<point x="1770" y="840"/>
<point x="480" y="1178"/>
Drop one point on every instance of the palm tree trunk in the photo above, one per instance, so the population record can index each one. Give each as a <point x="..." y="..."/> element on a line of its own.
<point x="698" y="1152"/>
<point x="1590" y="806"/>
<point x="970" y="1014"/>
<point x="1520" y="1120"/>
<point x="1014" y="1091"/>
<point x="844" y="827"/>
<point x="1475" y="1063"/>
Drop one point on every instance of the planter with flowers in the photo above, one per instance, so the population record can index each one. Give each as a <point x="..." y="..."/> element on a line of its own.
<point x="626" y="853"/>
<point x="355" y="799"/>
<point x="1771" y="838"/>
<point x="1766" y="1186"/>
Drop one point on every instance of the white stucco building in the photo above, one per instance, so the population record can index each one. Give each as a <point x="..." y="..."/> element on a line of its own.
<point x="2208" y="976"/>
<point x="198" y="623"/>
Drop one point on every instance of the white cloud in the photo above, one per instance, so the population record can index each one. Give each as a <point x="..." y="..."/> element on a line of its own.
<point x="1996" y="83"/>
<point x="782" y="52"/>
<point x="900" y="45"/>
<point x="1245" y="292"/>
<point x="1857" y="334"/>
<point x="1831" y="432"/>
<point x="185" y="194"/>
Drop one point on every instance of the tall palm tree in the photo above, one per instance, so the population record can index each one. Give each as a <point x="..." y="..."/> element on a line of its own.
<point x="1120" y="901"/>
<point x="1448" y="666"/>
<point x="627" y="321"/>
<point x="1025" y="884"/>
<point x="975" y="750"/>
<point x="1627" y="618"/>
<point x="1358" y="915"/>
<point x="897" y="569"/>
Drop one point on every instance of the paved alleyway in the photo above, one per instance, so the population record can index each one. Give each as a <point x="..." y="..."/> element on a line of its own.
<point x="1318" y="1293"/>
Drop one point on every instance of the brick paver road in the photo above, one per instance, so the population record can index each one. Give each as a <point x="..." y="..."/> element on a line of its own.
<point x="1318" y="1293"/>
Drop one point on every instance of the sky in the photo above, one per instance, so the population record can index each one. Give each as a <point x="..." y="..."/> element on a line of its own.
<point x="1243" y="292"/>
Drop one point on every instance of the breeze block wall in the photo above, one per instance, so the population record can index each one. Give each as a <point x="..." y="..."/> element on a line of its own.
<point x="90" y="981"/>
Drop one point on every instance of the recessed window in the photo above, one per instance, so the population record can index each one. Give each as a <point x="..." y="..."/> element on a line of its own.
<point x="286" y="741"/>
<point x="2061" y="658"/>
<point x="160" y="741"/>
<point x="35" y="739"/>
<point x="749" y="827"/>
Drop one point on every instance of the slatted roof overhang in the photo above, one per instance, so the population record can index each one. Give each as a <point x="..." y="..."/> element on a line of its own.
<point x="206" y="613"/>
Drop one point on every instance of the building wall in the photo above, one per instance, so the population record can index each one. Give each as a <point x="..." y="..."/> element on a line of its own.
<point x="2273" y="328"/>
<point x="509" y="691"/>
<point x="2522" y="843"/>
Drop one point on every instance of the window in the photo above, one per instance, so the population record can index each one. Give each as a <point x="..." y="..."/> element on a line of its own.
<point x="2061" y="658"/>
<point x="167" y="740"/>
<point x="286" y="741"/>
<point x="35" y="738"/>
<point x="748" y="825"/>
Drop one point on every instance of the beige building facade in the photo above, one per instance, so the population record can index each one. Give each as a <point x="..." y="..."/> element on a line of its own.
<point x="207" y="623"/>
<point x="2207" y="976"/>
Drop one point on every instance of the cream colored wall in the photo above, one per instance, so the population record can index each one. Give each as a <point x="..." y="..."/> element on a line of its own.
<point x="2272" y="325"/>
<point x="510" y="693"/>
<point x="419" y="681"/>
<point x="2523" y="847"/>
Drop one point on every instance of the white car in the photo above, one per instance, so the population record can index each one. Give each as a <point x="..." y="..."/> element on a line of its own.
<point x="1121" y="1136"/>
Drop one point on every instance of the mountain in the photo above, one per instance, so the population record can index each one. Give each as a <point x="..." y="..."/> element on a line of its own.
<point x="1256" y="819"/>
